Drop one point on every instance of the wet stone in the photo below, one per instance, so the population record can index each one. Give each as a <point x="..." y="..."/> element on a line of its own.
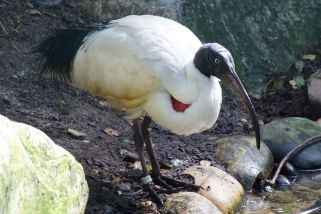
<point x="282" y="183"/>
<point x="218" y="187"/>
<point x="243" y="160"/>
<point x="189" y="203"/>
<point x="282" y="135"/>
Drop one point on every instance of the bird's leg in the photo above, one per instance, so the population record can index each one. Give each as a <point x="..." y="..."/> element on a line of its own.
<point x="150" y="150"/>
<point x="139" y="146"/>
<point x="146" y="179"/>
<point x="156" y="172"/>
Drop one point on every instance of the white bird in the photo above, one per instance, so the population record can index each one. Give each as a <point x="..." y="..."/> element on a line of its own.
<point x="148" y="66"/>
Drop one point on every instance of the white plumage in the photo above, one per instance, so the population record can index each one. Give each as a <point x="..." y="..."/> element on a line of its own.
<point x="153" y="67"/>
<point x="139" y="62"/>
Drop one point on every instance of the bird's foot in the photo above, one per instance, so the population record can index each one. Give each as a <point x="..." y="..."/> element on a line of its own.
<point x="174" y="184"/>
<point x="165" y="184"/>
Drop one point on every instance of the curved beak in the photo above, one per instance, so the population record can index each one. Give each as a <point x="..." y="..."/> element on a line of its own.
<point x="239" y="88"/>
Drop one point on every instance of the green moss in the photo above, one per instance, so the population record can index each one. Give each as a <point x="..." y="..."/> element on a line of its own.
<point x="40" y="177"/>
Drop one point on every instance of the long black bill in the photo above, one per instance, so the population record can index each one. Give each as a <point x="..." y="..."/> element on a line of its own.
<point x="239" y="88"/>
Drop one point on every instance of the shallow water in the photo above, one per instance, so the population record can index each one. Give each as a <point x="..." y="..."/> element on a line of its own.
<point x="303" y="193"/>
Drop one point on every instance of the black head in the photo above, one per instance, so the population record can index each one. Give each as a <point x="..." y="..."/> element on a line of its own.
<point x="215" y="60"/>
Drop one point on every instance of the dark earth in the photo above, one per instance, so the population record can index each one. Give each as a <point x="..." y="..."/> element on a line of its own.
<point x="53" y="107"/>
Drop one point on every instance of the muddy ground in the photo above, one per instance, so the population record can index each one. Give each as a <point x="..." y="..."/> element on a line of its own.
<point x="54" y="107"/>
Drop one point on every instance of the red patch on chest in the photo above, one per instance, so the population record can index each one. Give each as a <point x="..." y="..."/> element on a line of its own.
<point x="178" y="106"/>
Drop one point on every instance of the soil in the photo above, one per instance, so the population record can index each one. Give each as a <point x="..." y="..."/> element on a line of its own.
<point x="54" y="107"/>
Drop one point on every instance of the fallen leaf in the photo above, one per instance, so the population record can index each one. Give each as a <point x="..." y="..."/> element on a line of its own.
<point x="137" y="165"/>
<point x="310" y="57"/>
<point x="297" y="82"/>
<point x="293" y="84"/>
<point x="115" y="183"/>
<point x="111" y="132"/>
<point x="149" y="167"/>
<point x="76" y="133"/>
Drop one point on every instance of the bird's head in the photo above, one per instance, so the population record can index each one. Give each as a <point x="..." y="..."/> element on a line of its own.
<point x="215" y="60"/>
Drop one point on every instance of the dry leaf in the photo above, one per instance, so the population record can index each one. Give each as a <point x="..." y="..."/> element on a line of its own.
<point x="310" y="57"/>
<point x="297" y="82"/>
<point x="115" y="183"/>
<point x="137" y="165"/>
<point x="149" y="167"/>
<point x="111" y="132"/>
<point x="293" y="84"/>
<point x="76" y="133"/>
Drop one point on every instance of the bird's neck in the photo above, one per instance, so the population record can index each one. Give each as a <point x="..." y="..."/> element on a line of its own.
<point x="202" y="111"/>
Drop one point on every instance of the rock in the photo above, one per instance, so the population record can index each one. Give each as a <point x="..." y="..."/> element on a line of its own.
<point x="282" y="183"/>
<point x="284" y="134"/>
<point x="189" y="203"/>
<point x="262" y="36"/>
<point x="319" y="121"/>
<point x="243" y="160"/>
<point x="36" y="175"/>
<point x="218" y="187"/>
<point x="314" y="93"/>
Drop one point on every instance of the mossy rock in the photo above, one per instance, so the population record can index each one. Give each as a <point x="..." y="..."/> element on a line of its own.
<point x="243" y="160"/>
<point x="36" y="175"/>
<point x="282" y="135"/>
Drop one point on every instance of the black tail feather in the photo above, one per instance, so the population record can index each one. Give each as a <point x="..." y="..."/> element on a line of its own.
<point x="59" y="50"/>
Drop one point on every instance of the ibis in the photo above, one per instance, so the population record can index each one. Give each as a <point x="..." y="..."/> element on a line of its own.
<point x="152" y="68"/>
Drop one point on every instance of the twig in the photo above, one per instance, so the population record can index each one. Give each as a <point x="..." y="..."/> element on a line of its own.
<point x="292" y="153"/>
<point x="9" y="39"/>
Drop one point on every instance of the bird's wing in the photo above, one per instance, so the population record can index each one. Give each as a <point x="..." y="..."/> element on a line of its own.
<point x="168" y="48"/>
<point x="134" y="57"/>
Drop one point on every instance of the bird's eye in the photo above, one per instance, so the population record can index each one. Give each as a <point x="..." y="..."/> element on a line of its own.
<point x="217" y="61"/>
